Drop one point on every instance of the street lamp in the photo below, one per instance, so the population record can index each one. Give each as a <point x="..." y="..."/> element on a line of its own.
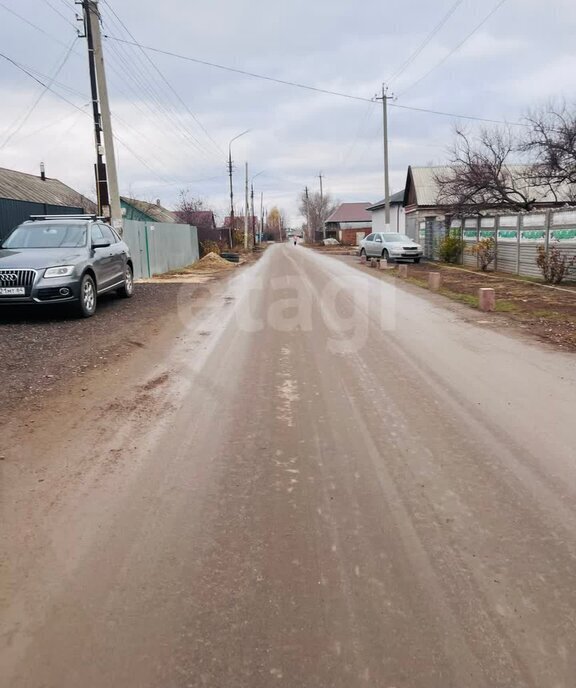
<point x="231" y="228"/>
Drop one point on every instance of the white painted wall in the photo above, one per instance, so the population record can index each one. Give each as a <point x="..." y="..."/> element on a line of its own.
<point x="397" y="219"/>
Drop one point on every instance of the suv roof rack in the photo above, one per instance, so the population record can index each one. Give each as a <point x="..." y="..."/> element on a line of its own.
<point x="66" y="217"/>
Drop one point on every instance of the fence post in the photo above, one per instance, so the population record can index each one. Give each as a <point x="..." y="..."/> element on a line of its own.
<point x="496" y="228"/>
<point x="519" y="225"/>
<point x="147" y="250"/>
<point x="547" y="226"/>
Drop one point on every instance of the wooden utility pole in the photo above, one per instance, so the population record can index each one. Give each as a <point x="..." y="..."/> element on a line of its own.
<point x="253" y="217"/>
<point x="247" y="210"/>
<point x="385" y="98"/>
<point x="308" y="230"/>
<point x="106" y="173"/>
<point x="322" y="207"/>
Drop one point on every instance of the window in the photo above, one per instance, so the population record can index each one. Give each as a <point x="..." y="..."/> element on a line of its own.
<point x="108" y="234"/>
<point x="370" y="237"/>
<point x="378" y="238"/>
<point x="47" y="235"/>
<point x="97" y="234"/>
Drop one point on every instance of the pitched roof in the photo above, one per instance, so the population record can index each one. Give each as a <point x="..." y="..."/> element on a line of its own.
<point x="426" y="189"/>
<point x="395" y="199"/>
<point x="351" y="212"/>
<point x="21" y="186"/>
<point x="153" y="210"/>
<point x="201" y="219"/>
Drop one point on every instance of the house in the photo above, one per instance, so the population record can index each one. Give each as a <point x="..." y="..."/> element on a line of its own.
<point x="146" y="211"/>
<point x="23" y="194"/>
<point x="349" y="223"/>
<point x="397" y="217"/>
<point x="426" y="218"/>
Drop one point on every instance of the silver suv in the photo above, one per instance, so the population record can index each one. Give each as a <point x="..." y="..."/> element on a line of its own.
<point x="390" y="246"/>
<point x="64" y="259"/>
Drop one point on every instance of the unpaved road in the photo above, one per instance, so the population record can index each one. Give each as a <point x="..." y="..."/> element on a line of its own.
<point x="320" y="482"/>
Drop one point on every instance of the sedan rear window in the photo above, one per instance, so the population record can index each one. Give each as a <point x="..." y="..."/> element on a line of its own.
<point x="47" y="236"/>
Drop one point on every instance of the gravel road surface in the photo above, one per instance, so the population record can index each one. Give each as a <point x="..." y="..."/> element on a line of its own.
<point x="319" y="481"/>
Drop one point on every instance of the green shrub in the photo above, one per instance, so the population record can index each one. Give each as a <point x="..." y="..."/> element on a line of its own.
<point x="554" y="265"/>
<point x="485" y="250"/>
<point x="450" y="249"/>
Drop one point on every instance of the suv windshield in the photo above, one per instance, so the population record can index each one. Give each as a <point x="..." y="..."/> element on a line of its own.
<point x="47" y="236"/>
<point x="397" y="238"/>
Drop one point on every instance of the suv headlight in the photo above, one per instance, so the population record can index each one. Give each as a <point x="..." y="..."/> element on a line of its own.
<point x="61" y="271"/>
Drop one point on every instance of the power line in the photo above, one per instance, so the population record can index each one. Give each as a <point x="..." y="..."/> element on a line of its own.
<point x="425" y="42"/>
<point x="165" y="80"/>
<point x="307" y="86"/>
<point x="61" y="14"/>
<point x="26" y="117"/>
<point x="34" y="26"/>
<point x="147" y="84"/>
<point x="457" y="47"/>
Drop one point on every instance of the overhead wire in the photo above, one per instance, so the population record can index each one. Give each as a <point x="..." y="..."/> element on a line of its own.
<point x="61" y="14"/>
<point x="165" y="80"/>
<point x="27" y="115"/>
<point x="456" y="47"/>
<point x="308" y="87"/>
<point x="425" y="42"/>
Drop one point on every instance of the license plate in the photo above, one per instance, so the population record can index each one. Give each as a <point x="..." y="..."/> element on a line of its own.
<point x="12" y="291"/>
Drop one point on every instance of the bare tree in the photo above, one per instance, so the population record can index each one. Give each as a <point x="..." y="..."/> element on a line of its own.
<point x="481" y="174"/>
<point x="316" y="209"/>
<point x="551" y="140"/>
<point x="187" y="207"/>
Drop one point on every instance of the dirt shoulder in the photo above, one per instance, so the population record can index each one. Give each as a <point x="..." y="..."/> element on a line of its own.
<point x="45" y="352"/>
<point x="548" y="314"/>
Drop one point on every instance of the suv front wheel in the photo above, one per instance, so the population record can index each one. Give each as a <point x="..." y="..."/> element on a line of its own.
<point x="87" y="303"/>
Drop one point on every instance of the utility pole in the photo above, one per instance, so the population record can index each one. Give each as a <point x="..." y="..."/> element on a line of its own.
<point x="232" y="223"/>
<point x="231" y="226"/>
<point x="385" y="98"/>
<point x="261" y="214"/>
<point x="253" y="217"/>
<point x="308" y="230"/>
<point x="247" y="210"/>
<point x="106" y="173"/>
<point x="322" y="207"/>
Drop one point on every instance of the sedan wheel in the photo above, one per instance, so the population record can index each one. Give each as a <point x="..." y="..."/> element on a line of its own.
<point x="87" y="303"/>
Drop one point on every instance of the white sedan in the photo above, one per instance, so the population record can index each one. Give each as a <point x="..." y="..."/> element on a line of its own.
<point x="390" y="246"/>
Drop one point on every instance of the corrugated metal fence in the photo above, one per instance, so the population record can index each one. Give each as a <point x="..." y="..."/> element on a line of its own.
<point x="157" y="248"/>
<point x="518" y="237"/>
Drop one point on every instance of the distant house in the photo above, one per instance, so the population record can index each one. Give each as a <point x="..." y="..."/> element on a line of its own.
<point x="146" y="211"/>
<point x="349" y="223"/>
<point x="205" y="223"/>
<point x="23" y="194"/>
<point x="397" y="217"/>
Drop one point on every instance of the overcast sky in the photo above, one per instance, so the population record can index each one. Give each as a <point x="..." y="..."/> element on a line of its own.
<point x="522" y="56"/>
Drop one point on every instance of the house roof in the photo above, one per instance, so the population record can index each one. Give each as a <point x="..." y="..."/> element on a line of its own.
<point x="153" y="210"/>
<point x="201" y="219"/>
<point x="423" y="180"/>
<point x="395" y="199"/>
<point x="351" y="212"/>
<point x="21" y="186"/>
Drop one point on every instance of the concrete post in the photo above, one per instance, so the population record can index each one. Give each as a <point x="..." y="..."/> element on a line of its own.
<point x="383" y="264"/>
<point x="486" y="299"/>
<point x="434" y="280"/>
<point x="363" y="259"/>
<point x="403" y="270"/>
<point x="373" y="263"/>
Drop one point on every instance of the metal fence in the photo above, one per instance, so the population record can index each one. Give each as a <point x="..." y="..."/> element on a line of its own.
<point x="157" y="247"/>
<point x="518" y="237"/>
